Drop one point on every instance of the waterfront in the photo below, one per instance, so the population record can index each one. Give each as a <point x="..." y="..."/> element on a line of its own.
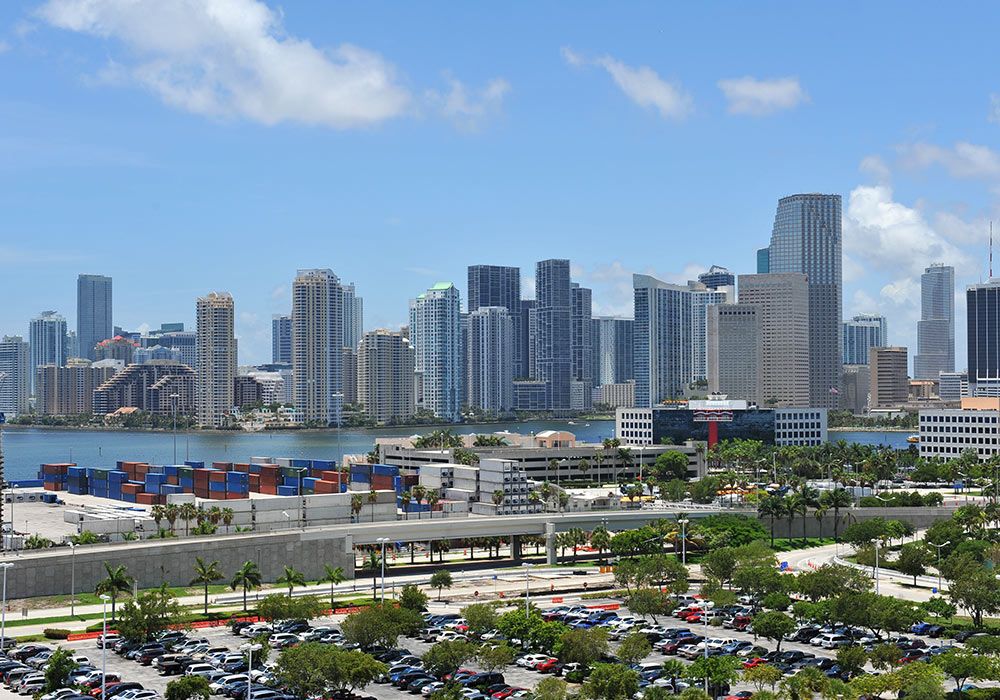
<point x="26" y="448"/>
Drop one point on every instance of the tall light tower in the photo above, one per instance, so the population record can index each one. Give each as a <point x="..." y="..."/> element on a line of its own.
<point x="3" y="480"/>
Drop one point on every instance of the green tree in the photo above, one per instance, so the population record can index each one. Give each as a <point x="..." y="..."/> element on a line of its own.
<point x="446" y="657"/>
<point x="306" y="669"/>
<point x="671" y="465"/>
<point x="205" y="574"/>
<point x="480" y="618"/>
<point x="354" y="670"/>
<point x="188" y="688"/>
<point x="885" y="656"/>
<point x="495" y="657"/>
<point x="974" y="588"/>
<point x="851" y="659"/>
<point x="763" y="675"/>
<point x="58" y="668"/>
<point x="720" y="564"/>
<point x="582" y="646"/>
<point x="773" y="625"/>
<point x="246" y="577"/>
<point x="634" y="648"/>
<point x="773" y="508"/>
<point x="379" y="625"/>
<point x="334" y="575"/>
<point x="291" y="578"/>
<point x="117" y="582"/>
<point x="913" y="560"/>
<point x="441" y="580"/>
<point x="552" y="689"/>
<point x="152" y="612"/>
<point x="836" y="500"/>
<point x="412" y="598"/>
<point x="610" y="682"/>
<point x="718" y="670"/>
<point x="961" y="665"/>
<point x="673" y="669"/>
<point x="649" y="602"/>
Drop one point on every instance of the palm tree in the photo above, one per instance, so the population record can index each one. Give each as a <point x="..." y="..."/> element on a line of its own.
<point x="247" y="576"/>
<point x="835" y="500"/>
<point x="228" y="514"/>
<point x="534" y="498"/>
<point x="205" y="573"/>
<point x="187" y="513"/>
<point x="357" y="503"/>
<point x="498" y="498"/>
<point x="625" y="457"/>
<point x="545" y="491"/>
<point x="159" y="514"/>
<point x="819" y="512"/>
<point x="373" y="563"/>
<point x="554" y="466"/>
<point x="419" y="493"/>
<point x="372" y="500"/>
<point x="404" y="501"/>
<point x="584" y="467"/>
<point x="432" y="500"/>
<point x="215" y="515"/>
<point x="771" y="507"/>
<point x="118" y="581"/>
<point x="796" y="504"/>
<point x="601" y="539"/>
<point x="576" y="538"/>
<point x="291" y="578"/>
<point x="171" y="512"/>
<point x="334" y="576"/>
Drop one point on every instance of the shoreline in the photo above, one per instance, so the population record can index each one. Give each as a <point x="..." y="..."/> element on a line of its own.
<point x="870" y="430"/>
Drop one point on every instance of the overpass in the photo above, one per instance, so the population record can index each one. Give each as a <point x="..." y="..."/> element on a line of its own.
<point x="156" y="561"/>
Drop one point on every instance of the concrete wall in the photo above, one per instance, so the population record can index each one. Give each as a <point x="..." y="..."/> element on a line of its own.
<point x="919" y="518"/>
<point x="156" y="561"/>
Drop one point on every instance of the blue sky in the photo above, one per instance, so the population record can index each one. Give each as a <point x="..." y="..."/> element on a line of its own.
<point x="184" y="146"/>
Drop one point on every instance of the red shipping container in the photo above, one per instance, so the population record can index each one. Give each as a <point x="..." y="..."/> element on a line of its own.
<point x="269" y="489"/>
<point x="224" y="466"/>
<point x="240" y="468"/>
<point x="330" y="476"/>
<point x="217" y="476"/>
<point x="53" y="486"/>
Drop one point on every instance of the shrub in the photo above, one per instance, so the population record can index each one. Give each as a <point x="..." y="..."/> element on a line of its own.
<point x="55" y="633"/>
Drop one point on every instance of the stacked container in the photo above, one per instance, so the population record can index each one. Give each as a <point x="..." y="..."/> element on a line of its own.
<point x="53" y="476"/>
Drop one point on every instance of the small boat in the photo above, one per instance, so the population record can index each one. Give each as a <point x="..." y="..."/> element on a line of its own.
<point x="913" y="439"/>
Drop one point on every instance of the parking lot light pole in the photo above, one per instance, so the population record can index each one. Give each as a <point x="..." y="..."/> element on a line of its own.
<point x="527" y="591"/>
<point x="250" y="649"/>
<point x="683" y="523"/>
<point x="383" y="541"/>
<point x="704" y="617"/>
<point x="104" y="647"/>
<point x="876" y="567"/>
<point x="939" y="547"/>
<point x="3" y="610"/>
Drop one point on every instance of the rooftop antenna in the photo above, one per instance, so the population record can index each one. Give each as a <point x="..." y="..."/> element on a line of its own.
<point x="991" y="248"/>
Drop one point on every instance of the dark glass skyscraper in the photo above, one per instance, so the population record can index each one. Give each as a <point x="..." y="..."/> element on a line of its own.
<point x="582" y="345"/>
<point x="936" y="327"/>
<point x="807" y="239"/>
<point x="497" y="285"/>
<point x="281" y="338"/>
<point x="982" y="303"/>
<point x="717" y="277"/>
<point x="613" y="350"/>
<point x="553" y="311"/>
<point x="93" y="312"/>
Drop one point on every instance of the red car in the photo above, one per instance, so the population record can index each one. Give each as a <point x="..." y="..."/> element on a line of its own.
<point x="742" y="695"/>
<point x="460" y="674"/>
<point x="547" y="666"/>
<point x="504" y="694"/>
<point x="96" y="682"/>
<point x="754" y="662"/>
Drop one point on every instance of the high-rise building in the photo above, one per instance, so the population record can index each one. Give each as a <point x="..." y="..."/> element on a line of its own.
<point x="717" y="277"/>
<point x="216" y="359"/>
<point x="783" y="303"/>
<point x="662" y="340"/>
<point x="763" y="261"/>
<point x="69" y="390"/>
<point x="93" y="313"/>
<point x="856" y="386"/>
<point x="953" y="386"/>
<point x="435" y="331"/>
<point x="490" y="365"/>
<point x="281" y="338"/>
<point x="47" y="338"/>
<point x="15" y="375"/>
<point x="613" y="344"/>
<point x="158" y="387"/>
<point x="936" y="327"/>
<point x="497" y="285"/>
<point x="317" y="344"/>
<point x="354" y="316"/>
<point x="349" y="362"/>
<point x="385" y="376"/>
<point x="889" y="385"/>
<point x="581" y="347"/>
<point x="528" y="339"/>
<point x="172" y="336"/>
<point x="117" y="348"/>
<point x="702" y="298"/>
<point x="734" y="351"/>
<point x="862" y="332"/>
<point x="553" y="319"/>
<point x="982" y="303"/>
<point x="807" y="239"/>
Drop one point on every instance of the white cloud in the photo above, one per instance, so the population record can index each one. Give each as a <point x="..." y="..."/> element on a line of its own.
<point x="749" y="95"/>
<point x="876" y="168"/>
<point x="963" y="160"/>
<point x="4" y="47"/>
<point x="467" y="109"/>
<point x="642" y="85"/>
<point x="233" y="58"/>
<point x="612" y="284"/>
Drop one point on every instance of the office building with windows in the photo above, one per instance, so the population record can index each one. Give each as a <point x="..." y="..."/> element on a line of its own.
<point x="386" y="361"/>
<point x="936" y="327"/>
<point x="734" y="351"/>
<point x="216" y="359"/>
<point x="499" y="285"/>
<point x="490" y="363"/>
<point x="317" y="346"/>
<point x="982" y="304"/>
<point x="281" y="338"/>
<point x="861" y="333"/>
<point x="436" y="334"/>
<point x="889" y="384"/>
<point x="15" y="376"/>
<point x="47" y="339"/>
<point x="553" y="323"/>
<point x="613" y="350"/>
<point x="701" y="299"/>
<point x="662" y="340"/>
<point x="717" y="277"/>
<point x="93" y="313"/>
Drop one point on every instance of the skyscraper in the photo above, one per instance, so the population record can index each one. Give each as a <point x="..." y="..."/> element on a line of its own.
<point x="581" y="347"/>
<point x="717" y="277"/>
<point x="317" y="345"/>
<point x="783" y="311"/>
<point x="435" y="331"/>
<point x="281" y="338"/>
<point x="936" y="327"/>
<point x="702" y="298"/>
<point x="47" y="338"/>
<point x="385" y="376"/>
<point x="490" y="364"/>
<point x="528" y="339"/>
<point x="734" y="350"/>
<point x="662" y="340"/>
<point x="862" y="332"/>
<point x="354" y="316"/>
<point x="93" y="312"/>
<point x="889" y="385"/>
<point x="553" y="317"/>
<point x="807" y="239"/>
<point x="982" y="302"/>
<point x="613" y="343"/>
<point x="15" y="376"/>
<point x="497" y="285"/>
<point x="216" y="359"/>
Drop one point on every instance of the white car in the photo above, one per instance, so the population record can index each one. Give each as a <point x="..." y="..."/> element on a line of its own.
<point x="56" y="694"/>
<point x="216" y="685"/>
<point x="531" y="660"/>
<point x="108" y="639"/>
<point x="199" y="670"/>
<point x="31" y="683"/>
<point x="281" y="640"/>
<point x="138" y="694"/>
<point x="255" y="630"/>
<point x="430" y="688"/>
<point x="451" y="636"/>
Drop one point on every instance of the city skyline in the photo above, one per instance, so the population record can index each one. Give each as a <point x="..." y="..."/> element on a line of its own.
<point x="588" y="136"/>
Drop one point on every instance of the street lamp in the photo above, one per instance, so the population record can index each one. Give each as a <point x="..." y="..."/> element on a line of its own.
<point x="72" y="579"/>
<point x="104" y="646"/>
<point x="527" y="592"/>
<point x="383" y="541"/>
<point x="641" y="448"/>
<point x="173" y="409"/>
<point x="876" y="567"/>
<point x="683" y="523"/>
<point x="939" y="547"/>
<point x="250" y="649"/>
<point x="3" y="611"/>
